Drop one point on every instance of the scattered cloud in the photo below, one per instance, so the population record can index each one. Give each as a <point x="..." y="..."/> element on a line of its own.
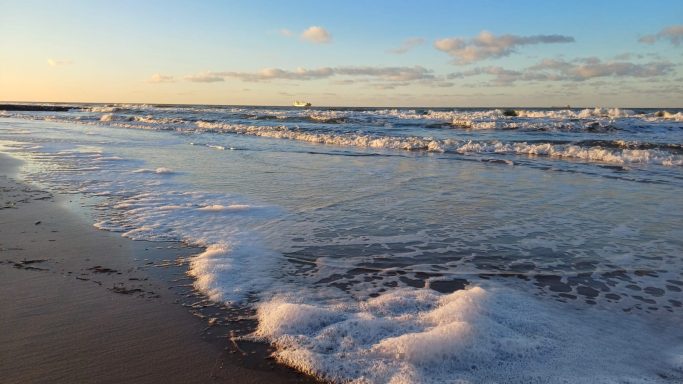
<point x="205" y="77"/>
<point x="407" y="45"/>
<point x="486" y="45"/>
<point x="576" y="70"/>
<point x="628" y="56"/>
<point x="378" y="77"/>
<point x="58" y="63"/>
<point x="674" y="34"/>
<point x="648" y="39"/>
<point x="398" y="74"/>
<point x="387" y="86"/>
<point x="279" y="74"/>
<point x="344" y="82"/>
<point x="383" y="73"/>
<point x="158" y="78"/>
<point x="316" y="34"/>
<point x="285" y="32"/>
<point x="501" y="75"/>
<point x="592" y="67"/>
<point x="562" y="71"/>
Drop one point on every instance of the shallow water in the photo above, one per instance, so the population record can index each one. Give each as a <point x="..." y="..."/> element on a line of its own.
<point x="399" y="245"/>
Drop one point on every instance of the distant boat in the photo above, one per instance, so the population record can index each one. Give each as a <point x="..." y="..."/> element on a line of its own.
<point x="301" y="104"/>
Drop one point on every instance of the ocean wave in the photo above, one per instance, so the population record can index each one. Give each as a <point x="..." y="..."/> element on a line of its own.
<point x="592" y="120"/>
<point x="614" y="152"/>
<point x="566" y="151"/>
<point x="107" y="117"/>
<point x="588" y="120"/>
<point x="158" y="171"/>
<point x="571" y="151"/>
<point x="597" y="120"/>
<point x="110" y="108"/>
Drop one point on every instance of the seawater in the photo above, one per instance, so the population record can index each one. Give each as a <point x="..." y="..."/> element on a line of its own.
<point x="404" y="245"/>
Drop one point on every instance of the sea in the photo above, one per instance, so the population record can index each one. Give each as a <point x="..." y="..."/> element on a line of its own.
<point x="402" y="245"/>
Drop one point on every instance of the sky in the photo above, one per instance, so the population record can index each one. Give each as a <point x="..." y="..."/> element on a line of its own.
<point x="344" y="53"/>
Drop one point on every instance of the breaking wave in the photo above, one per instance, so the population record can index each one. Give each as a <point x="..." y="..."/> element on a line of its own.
<point x="568" y="151"/>
<point x="336" y="128"/>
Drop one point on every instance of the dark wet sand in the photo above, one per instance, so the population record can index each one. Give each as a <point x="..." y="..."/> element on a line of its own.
<point x="77" y="307"/>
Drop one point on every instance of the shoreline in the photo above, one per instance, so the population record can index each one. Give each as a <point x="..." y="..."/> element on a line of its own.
<point x="89" y="306"/>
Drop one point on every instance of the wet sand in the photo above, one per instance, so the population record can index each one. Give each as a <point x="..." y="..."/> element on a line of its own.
<point x="79" y="305"/>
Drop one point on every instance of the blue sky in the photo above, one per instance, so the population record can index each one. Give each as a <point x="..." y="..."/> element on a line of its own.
<point x="456" y="53"/>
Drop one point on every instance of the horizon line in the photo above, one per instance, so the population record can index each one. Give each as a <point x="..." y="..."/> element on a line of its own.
<point x="568" y="106"/>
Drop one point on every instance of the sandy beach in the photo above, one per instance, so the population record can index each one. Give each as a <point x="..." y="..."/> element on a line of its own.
<point x="81" y="305"/>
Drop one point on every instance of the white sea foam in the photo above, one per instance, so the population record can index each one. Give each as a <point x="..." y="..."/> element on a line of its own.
<point x="473" y="335"/>
<point x="222" y="208"/>
<point x="155" y="120"/>
<point x="231" y="272"/>
<point x="598" y="119"/>
<point x="104" y="109"/>
<point x="667" y="115"/>
<point x="568" y="151"/>
<point x="602" y="112"/>
<point x="117" y="107"/>
<point x="492" y="114"/>
<point x="159" y="171"/>
<point x="235" y="263"/>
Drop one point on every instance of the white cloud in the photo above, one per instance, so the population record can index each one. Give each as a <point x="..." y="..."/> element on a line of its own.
<point x="399" y="74"/>
<point x="592" y="67"/>
<point x="628" y="56"/>
<point x="316" y="34"/>
<point x="379" y="77"/>
<point x="486" y="45"/>
<point x="285" y="32"/>
<point x="576" y="70"/>
<point x="394" y="74"/>
<point x="407" y="45"/>
<point x="387" y="86"/>
<point x="501" y="75"/>
<point x="205" y="77"/>
<point x="674" y="34"/>
<point x="158" y="78"/>
<point x="344" y="82"/>
<point x="58" y="63"/>
<point x="281" y="74"/>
